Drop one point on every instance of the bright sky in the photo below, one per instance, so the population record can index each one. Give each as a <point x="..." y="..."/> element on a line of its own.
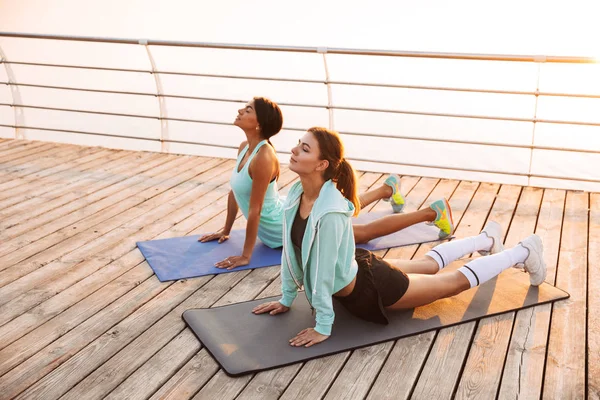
<point x="547" y="27"/>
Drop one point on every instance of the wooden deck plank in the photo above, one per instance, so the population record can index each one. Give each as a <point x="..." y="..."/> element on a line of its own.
<point x="10" y="158"/>
<point x="49" y="175"/>
<point x="183" y="385"/>
<point x="14" y="171"/>
<point x="90" y="258"/>
<point x="483" y="368"/>
<point x="566" y="359"/>
<point x="100" y="184"/>
<point x="54" y="234"/>
<point x="14" y="226"/>
<point x="524" y="366"/>
<point x="10" y="143"/>
<point x="593" y="309"/>
<point x="46" y="166"/>
<point x="12" y="273"/>
<point x="22" y="163"/>
<point x="63" y="193"/>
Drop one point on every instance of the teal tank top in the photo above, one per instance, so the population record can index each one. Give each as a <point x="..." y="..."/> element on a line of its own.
<point x="270" y="228"/>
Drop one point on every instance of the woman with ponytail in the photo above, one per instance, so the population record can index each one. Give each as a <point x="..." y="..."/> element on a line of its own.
<point x="319" y="250"/>
<point x="254" y="190"/>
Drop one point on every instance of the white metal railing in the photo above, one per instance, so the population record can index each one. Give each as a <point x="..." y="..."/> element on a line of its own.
<point x="164" y="119"/>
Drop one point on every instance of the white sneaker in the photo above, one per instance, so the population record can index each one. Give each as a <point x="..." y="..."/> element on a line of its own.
<point x="534" y="264"/>
<point x="493" y="230"/>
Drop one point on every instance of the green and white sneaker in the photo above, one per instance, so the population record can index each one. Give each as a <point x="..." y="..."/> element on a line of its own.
<point x="396" y="200"/>
<point x="443" y="220"/>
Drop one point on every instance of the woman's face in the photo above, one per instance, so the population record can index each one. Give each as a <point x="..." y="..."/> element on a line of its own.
<point x="305" y="157"/>
<point x="246" y="118"/>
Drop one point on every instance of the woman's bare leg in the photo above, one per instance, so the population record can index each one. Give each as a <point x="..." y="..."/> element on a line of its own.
<point x="371" y="196"/>
<point x="425" y="265"/>
<point x="425" y="289"/>
<point x="390" y="224"/>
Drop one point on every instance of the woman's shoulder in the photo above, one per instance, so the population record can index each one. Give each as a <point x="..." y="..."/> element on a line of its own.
<point x="265" y="156"/>
<point x="242" y="145"/>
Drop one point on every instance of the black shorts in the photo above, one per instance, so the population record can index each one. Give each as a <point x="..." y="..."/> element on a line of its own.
<point x="378" y="285"/>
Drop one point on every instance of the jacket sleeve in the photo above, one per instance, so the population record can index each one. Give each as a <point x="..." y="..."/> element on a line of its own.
<point x="329" y="236"/>
<point x="289" y="289"/>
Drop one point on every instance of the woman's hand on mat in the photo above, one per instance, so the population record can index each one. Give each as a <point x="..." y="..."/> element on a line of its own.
<point x="233" y="262"/>
<point x="272" y="307"/>
<point x="214" y="236"/>
<point x="307" y="338"/>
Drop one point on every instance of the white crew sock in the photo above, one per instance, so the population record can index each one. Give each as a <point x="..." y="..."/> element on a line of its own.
<point x="483" y="269"/>
<point x="447" y="252"/>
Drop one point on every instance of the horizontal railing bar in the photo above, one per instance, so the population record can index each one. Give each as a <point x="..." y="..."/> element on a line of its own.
<point x="592" y="96"/>
<point x="406" y="112"/>
<point x="555" y="121"/>
<point x="83" y="111"/>
<point x="76" y="66"/>
<point x="335" y="107"/>
<point x="244" y="77"/>
<point x="440" y="88"/>
<point x="454" y="89"/>
<point x="38" y="128"/>
<point x="297" y="80"/>
<point x="80" y="89"/>
<point x="432" y="114"/>
<point x="307" y="49"/>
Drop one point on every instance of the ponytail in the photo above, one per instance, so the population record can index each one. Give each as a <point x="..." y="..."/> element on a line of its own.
<point x="346" y="182"/>
<point x="339" y="170"/>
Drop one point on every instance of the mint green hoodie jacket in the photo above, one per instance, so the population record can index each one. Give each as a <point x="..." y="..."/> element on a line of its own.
<point x="328" y="262"/>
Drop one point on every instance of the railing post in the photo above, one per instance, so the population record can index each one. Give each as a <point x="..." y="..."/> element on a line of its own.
<point x="163" y="119"/>
<point x="539" y="62"/>
<point x="16" y="97"/>
<point x="323" y="50"/>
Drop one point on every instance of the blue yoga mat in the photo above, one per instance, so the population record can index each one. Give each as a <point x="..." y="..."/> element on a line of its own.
<point x="186" y="257"/>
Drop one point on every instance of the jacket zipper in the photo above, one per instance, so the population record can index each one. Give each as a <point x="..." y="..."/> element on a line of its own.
<point x="287" y="257"/>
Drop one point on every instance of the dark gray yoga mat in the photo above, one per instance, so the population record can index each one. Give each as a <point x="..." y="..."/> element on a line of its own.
<point x="242" y="342"/>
